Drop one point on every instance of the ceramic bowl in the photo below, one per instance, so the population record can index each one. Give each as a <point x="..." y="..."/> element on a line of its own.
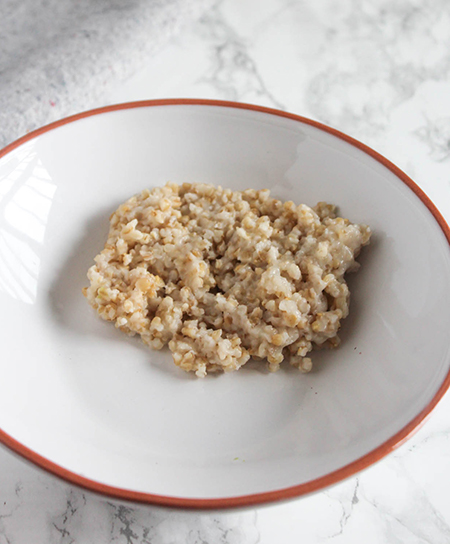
<point x="100" y="410"/>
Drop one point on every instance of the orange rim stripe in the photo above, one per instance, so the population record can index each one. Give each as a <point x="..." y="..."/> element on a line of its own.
<point x="258" y="498"/>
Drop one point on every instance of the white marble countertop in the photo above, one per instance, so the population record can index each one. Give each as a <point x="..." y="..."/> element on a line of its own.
<point x="379" y="71"/>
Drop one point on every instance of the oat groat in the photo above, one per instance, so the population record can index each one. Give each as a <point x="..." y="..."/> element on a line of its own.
<point x="221" y="276"/>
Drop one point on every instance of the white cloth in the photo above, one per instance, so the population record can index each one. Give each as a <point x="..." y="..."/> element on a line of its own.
<point x="57" y="57"/>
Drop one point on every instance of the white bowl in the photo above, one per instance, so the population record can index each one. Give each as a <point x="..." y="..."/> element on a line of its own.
<point x="102" y="411"/>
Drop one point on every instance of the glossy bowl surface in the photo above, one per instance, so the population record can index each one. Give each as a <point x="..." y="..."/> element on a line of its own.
<point x="102" y="411"/>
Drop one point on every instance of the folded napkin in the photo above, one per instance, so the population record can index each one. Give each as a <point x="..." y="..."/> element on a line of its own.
<point x="59" y="57"/>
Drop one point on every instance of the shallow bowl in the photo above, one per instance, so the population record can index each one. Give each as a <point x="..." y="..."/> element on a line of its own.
<point x="104" y="412"/>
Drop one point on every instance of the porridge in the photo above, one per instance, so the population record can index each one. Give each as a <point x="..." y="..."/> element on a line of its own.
<point x="221" y="276"/>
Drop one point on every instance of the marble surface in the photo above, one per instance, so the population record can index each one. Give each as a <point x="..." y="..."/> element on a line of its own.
<point x="59" y="57"/>
<point x="380" y="71"/>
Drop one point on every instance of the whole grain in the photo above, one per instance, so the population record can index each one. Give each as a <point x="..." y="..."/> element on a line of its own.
<point x="221" y="276"/>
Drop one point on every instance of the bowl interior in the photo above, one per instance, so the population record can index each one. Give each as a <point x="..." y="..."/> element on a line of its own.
<point x="102" y="405"/>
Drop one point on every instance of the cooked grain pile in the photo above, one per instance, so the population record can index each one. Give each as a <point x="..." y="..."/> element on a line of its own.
<point x="221" y="276"/>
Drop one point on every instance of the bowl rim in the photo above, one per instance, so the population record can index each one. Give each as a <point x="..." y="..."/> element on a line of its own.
<point x="254" y="499"/>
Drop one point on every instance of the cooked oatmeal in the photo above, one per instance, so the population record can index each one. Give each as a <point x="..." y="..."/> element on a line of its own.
<point x="221" y="276"/>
